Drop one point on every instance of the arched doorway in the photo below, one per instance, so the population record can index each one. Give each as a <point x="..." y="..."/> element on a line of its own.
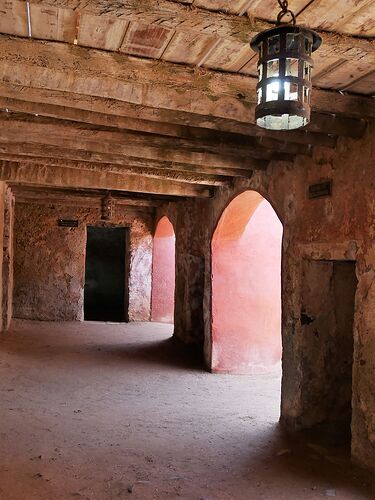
<point x="246" y="287"/>
<point x="163" y="272"/>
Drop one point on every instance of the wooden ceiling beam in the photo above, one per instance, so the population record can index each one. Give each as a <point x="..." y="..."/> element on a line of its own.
<point x="154" y="84"/>
<point x="33" y="192"/>
<point x="166" y="129"/>
<point x="74" y="201"/>
<point x="136" y="199"/>
<point x="73" y="178"/>
<point x="184" y="177"/>
<point x="101" y="110"/>
<point x="23" y="151"/>
<point x="343" y="125"/>
<point x="217" y="151"/>
<point x="107" y="142"/>
<point x="170" y="15"/>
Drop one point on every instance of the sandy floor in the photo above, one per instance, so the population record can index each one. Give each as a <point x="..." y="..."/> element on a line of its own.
<point x="101" y="411"/>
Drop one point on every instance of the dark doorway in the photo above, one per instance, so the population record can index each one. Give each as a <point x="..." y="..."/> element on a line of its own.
<point x="328" y="303"/>
<point x="105" y="297"/>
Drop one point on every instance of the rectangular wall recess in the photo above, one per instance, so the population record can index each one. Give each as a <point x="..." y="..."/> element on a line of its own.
<point x="320" y="190"/>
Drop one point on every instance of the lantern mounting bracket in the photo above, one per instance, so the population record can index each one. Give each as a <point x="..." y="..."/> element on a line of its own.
<point x="285" y="11"/>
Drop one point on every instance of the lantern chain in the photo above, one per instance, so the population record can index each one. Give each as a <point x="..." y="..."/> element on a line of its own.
<point x="285" y="11"/>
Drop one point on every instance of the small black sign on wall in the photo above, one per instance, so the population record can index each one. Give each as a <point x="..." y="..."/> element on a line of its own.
<point x="67" y="223"/>
<point x="320" y="190"/>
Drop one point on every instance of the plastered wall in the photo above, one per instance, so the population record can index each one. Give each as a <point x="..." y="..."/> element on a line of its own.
<point x="340" y="227"/>
<point x="49" y="261"/>
<point x="163" y="272"/>
<point x="246" y="287"/>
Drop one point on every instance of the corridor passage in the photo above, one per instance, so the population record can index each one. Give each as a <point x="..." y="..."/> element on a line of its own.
<point x="115" y="411"/>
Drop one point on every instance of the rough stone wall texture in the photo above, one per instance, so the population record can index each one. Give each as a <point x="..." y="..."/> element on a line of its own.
<point x="140" y="269"/>
<point x="49" y="261"/>
<point x="190" y="268"/>
<point x="341" y="227"/>
<point x="3" y="188"/>
<point x="8" y="252"/>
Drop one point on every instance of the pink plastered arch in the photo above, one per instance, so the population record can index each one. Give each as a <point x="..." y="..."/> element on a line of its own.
<point x="163" y="272"/>
<point x="246" y="287"/>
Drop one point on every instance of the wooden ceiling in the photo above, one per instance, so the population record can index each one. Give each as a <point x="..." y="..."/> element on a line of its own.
<point x="92" y="97"/>
<point x="209" y="33"/>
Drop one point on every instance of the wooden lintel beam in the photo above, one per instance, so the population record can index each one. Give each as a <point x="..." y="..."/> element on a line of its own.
<point x="73" y="178"/>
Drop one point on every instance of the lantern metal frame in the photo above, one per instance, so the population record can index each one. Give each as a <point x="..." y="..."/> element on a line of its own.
<point x="107" y="207"/>
<point x="284" y="67"/>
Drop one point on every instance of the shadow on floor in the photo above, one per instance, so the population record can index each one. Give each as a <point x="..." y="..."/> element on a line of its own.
<point x="169" y="352"/>
<point x="316" y="460"/>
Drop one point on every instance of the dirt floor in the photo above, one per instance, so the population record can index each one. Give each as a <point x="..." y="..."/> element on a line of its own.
<point x="109" y="411"/>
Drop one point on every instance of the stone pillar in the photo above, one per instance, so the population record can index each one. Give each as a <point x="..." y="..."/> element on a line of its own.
<point x="7" y="267"/>
<point x="190" y="273"/>
<point x="363" y="403"/>
<point x="140" y="271"/>
<point x="2" y="205"/>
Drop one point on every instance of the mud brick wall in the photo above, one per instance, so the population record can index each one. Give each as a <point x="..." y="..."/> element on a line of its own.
<point x="49" y="261"/>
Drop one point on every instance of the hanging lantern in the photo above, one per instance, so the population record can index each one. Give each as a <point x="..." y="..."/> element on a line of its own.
<point x="284" y="67"/>
<point x="108" y="205"/>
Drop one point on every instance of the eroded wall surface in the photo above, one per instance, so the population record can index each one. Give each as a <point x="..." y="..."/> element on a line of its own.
<point x="340" y="227"/>
<point x="327" y="317"/>
<point x="190" y="267"/>
<point x="3" y="203"/>
<point x="49" y="261"/>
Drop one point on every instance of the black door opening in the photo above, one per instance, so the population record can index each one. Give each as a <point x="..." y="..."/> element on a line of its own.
<point x="105" y="294"/>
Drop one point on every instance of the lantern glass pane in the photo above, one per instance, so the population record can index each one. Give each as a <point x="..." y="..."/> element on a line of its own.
<point x="260" y="71"/>
<point x="283" y="122"/>
<point x="291" y="91"/>
<point x="306" y="94"/>
<point x="306" y="70"/>
<point x="272" y="91"/>
<point x="292" y="42"/>
<point x="291" y="67"/>
<point x="273" y="68"/>
<point x="259" y="92"/>
<point x="274" y="45"/>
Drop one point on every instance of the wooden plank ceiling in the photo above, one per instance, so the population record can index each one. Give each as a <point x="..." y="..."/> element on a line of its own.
<point x="126" y="118"/>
